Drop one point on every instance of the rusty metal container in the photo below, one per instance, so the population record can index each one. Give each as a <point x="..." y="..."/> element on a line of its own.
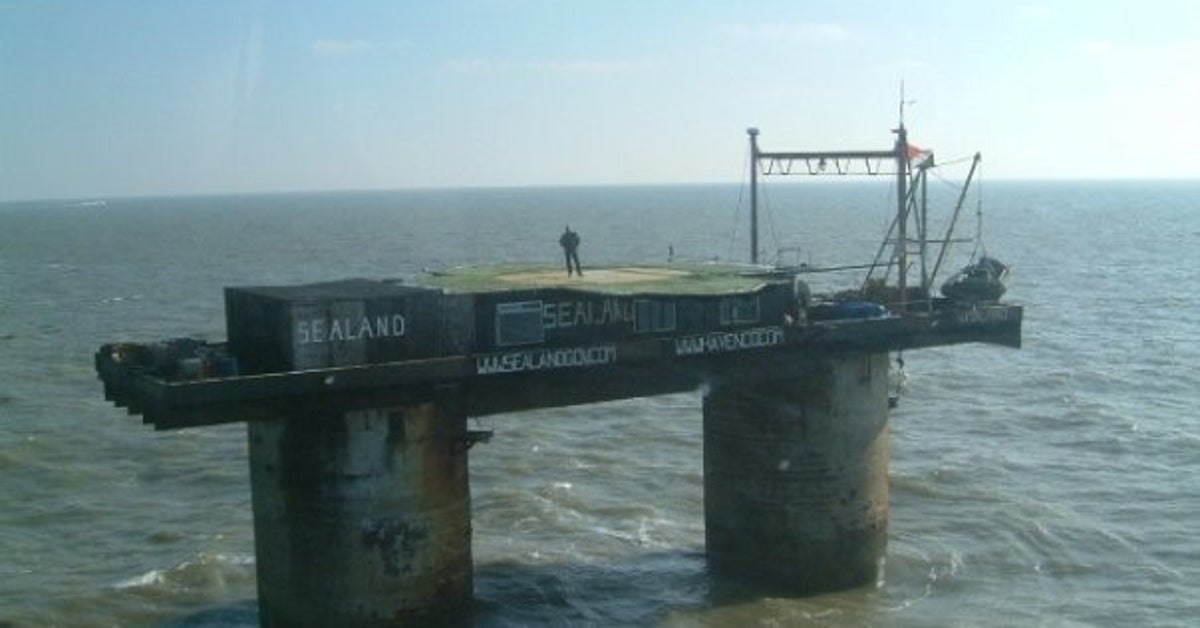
<point x="338" y="323"/>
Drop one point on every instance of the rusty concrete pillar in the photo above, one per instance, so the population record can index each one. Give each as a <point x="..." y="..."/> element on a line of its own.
<point x="362" y="518"/>
<point x="796" y="474"/>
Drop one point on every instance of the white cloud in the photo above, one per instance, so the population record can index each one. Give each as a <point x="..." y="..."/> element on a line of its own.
<point x="567" y="67"/>
<point x="589" y="67"/>
<point x="789" y="32"/>
<point x="335" y="47"/>
<point x="1168" y="53"/>
<point x="474" y="66"/>
<point x="1097" y="49"/>
<point x="1035" y="12"/>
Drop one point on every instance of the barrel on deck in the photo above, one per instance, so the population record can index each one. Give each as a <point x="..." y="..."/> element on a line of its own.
<point x="796" y="473"/>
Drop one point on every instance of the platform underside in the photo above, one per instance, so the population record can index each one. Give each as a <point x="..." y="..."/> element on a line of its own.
<point x="543" y="377"/>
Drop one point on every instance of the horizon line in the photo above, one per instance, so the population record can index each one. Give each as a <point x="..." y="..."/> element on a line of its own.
<point x="793" y="180"/>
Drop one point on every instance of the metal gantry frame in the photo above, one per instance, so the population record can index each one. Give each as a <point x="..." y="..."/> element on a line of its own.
<point x="908" y="163"/>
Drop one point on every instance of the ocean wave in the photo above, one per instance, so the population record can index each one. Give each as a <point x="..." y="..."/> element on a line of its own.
<point x="206" y="572"/>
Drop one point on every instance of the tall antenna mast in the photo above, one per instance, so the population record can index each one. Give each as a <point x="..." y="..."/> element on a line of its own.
<point x="753" y="133"/>
<point x="902" y="176"/>
<point x="903" y="102"/>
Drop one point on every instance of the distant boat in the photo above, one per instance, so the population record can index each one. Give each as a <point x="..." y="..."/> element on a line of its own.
<point x="980" y="282"/>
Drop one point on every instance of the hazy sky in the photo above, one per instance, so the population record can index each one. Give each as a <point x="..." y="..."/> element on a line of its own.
<point x="105" y="98"/>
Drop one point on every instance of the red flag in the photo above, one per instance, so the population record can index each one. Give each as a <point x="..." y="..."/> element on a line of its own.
<point x="918" y="154"/>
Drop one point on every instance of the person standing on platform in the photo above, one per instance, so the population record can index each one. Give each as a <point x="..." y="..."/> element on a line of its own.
<point x="570" y="244"/>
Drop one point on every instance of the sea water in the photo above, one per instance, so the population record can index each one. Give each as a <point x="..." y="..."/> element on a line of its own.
<point x="1058" y="484"/>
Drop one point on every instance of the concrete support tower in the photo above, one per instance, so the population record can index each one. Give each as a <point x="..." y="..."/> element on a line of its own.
<point x="796" y="473"/>
<point x="362" y="518"/>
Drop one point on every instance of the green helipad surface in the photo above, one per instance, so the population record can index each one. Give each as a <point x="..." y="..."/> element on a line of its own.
<point x="672" y="279"/>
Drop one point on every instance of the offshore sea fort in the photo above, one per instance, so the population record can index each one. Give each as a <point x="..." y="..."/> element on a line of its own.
<point x="319" y="396"/>
<point x="356" y="394"/>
